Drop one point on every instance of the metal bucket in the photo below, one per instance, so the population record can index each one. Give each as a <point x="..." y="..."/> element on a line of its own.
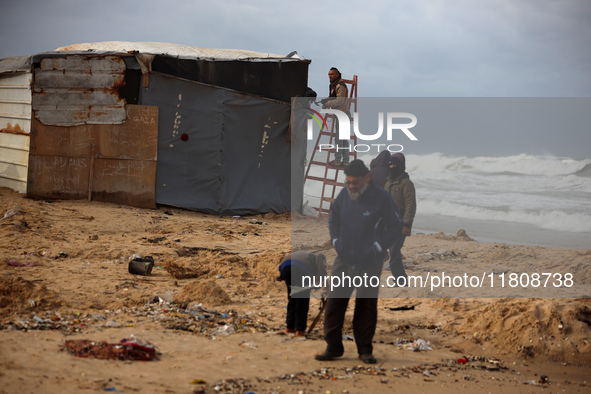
<point x="141" y="266"/>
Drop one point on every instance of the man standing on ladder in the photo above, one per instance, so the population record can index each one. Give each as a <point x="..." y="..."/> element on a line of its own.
<point x="338" y="89"/>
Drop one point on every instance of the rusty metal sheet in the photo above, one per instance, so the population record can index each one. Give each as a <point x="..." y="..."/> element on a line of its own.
<point x="118" y="161"/>
<point x="79" y="89"/>
<point x="15" y="102"/>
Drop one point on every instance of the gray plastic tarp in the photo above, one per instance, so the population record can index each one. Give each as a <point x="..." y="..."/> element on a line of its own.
<point x="221" y="151"/>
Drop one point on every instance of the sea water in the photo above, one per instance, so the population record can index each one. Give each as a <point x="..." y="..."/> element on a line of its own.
<point x="520" y="199"/>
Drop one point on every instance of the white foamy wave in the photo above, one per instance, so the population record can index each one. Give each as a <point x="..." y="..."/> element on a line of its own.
<point x="551" y="220"/>
<point x="519" y="164"/>
<point x="550" y="193"/>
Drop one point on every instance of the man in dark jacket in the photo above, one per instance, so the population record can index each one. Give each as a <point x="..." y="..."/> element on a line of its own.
<point x="378" y="168"/>
<point x="364" y="222"/>
<point x="292" y="269"/>
<point x="402" y="190"/>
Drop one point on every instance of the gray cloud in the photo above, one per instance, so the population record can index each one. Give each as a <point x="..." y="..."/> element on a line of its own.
<point x="405" y="48"/>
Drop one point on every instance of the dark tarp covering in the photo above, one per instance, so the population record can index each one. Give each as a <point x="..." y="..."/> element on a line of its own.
<point x="236" y="159"/>
<point x="277" y="80"/>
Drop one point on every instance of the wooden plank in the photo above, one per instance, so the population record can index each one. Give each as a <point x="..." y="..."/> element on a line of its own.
<point x="129" y="182"/>
<point x="58" y="177"/>
<point x="121" y="169"/>
<point x="73" y="141"/>
<point x="137" y="138"/>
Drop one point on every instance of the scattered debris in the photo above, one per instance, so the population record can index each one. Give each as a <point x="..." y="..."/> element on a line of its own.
<point x="16" y="263"/>
<point x="11" y="212"/>
<point x="418" y="345"/>
<point x="127" y="349"/>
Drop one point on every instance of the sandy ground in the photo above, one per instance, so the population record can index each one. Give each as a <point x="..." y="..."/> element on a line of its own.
<point x="215" y="313"/>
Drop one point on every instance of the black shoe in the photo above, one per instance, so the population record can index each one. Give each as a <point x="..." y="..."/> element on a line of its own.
<point x="328" y="355"/>
<point x="368" y="358"/>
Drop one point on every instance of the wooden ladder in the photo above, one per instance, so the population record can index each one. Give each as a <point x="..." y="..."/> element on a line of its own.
<point x="330" y="181"/>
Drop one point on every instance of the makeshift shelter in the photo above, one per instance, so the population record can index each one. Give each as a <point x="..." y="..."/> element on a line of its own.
<point x="153" y="123"/>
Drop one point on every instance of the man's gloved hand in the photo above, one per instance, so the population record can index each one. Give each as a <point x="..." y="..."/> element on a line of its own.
<point x="377" y="247"/>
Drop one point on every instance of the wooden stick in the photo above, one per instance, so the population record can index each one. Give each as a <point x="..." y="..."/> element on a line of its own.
<point x="91" y="174"/>
<point x="317" y="319"/>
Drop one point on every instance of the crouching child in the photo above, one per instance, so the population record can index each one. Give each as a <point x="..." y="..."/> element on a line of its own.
<point x="300" y="270"/>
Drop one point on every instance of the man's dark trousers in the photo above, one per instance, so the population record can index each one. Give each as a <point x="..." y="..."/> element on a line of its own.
<point x="297" y="307"/>
<point x="366" y="309"/>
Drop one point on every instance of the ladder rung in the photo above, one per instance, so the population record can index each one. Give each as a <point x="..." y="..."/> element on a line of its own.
<point x="333" y="150"/>
<point x="325" y="164"/>
<point x="317" y="178"/>
<point x="327" y="181"/>
<point x="320" y="163"/>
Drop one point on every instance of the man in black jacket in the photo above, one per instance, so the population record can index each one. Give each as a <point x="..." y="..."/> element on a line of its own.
<point x="364" y="222"/>
<point x="293" y="269"/>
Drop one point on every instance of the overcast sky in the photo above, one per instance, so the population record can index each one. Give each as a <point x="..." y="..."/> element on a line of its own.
<point x="407" y="48"/>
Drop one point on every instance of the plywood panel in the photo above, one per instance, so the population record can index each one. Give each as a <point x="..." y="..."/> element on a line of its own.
<point x="137" y="138"/>
<point x="62" y="141"/>
<point x="129" y="182"/>
<point x="59" y="177"/>
<point x="108" y="162"/>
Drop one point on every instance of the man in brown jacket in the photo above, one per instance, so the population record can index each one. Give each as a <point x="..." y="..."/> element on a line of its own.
<point x="402" y="190"/>
<point x="338" y="99"/>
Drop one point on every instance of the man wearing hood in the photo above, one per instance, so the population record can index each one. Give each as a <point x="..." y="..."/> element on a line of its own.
<point x="402" y="190"/>
<point x="379" y="168"/>
<point x="292" y="269"/>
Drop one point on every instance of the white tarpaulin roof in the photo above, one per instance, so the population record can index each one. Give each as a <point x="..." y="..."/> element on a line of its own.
<point x="177" y="50"/>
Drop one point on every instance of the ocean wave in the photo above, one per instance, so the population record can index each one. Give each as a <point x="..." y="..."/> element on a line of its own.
<point x="585" y="171"/>
<point x="509" y="165"/>
<point x="544" y="191"/>
<point x="551" y="219"/>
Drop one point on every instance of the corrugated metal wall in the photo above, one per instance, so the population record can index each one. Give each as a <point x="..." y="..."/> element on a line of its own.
<point x="15" y="127"/>
<point x="76" y="90"/>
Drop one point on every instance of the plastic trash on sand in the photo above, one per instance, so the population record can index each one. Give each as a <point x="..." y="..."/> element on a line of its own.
<point x="225" y="330"/>
<point x="418" y="345"/>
